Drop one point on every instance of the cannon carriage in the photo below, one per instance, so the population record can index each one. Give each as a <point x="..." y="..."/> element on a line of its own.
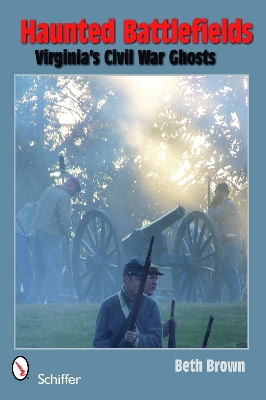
<point x="193" y="264"/>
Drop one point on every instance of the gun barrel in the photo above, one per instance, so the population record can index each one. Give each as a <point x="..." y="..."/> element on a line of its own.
<point x="141" y="289"/>
<point x="208" y="331"/>
<point x="171" y="339"/>
<point x="164" y="222"/>
<point x="139" y="238"/>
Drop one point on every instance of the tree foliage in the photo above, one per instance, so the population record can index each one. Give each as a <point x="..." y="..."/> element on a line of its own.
<point x="138" y="149"/>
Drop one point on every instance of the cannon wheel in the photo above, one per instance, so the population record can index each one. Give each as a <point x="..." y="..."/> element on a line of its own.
<point x="198" y="279"/>
<point x="97" y="257"/>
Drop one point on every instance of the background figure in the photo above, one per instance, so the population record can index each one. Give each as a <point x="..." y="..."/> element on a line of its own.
<point x="24" y="235"/>
<point x="149" y="289"/>
<point x="225" y="212"/>
<point x="66" y="280"/>
<point x="68" y="289"/>
<point x="52" y="221"/>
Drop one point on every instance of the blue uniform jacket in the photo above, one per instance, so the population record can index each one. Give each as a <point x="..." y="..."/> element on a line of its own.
<point x="111" y="318"/>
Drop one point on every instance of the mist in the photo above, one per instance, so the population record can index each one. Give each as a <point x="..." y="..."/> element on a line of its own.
<point x="141" y="145"/>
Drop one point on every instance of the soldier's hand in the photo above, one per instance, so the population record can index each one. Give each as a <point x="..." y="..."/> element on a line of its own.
<point x="218" y="198"/>
<point x="166" y="327"/>
<point x="131" y="336"/>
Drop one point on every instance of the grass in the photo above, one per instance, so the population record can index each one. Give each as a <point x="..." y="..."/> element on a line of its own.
<point x="72" y="325"/>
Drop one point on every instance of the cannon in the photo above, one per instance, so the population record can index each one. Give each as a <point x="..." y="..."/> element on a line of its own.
<point x="195" y="260"/>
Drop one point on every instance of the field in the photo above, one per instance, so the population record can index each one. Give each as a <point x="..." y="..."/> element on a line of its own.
<point x="72" y="325"/>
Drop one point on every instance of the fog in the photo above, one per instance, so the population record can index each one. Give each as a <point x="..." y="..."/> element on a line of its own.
<point x="162" y="134"/>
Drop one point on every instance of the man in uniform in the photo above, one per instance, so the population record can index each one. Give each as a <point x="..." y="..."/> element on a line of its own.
<point x="24" y="235"/>
<point x="150" y="287"/>
<point x="225" y="213"/>
<point x="112" y="321"/>
<point x="51" y="222"/>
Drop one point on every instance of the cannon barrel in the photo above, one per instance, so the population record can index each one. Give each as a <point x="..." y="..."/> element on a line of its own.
<point x="135" y="244"/>
<point x="164" y="222"/>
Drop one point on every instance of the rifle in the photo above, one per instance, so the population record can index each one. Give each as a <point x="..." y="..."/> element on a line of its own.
<point x="144" y="276"/>
<point x="68" y="253"/>
<point x="209" y="190"/>
<point x="62" y="166"/>
<point x="207" y="334"/>
<point x="171" y="338"/>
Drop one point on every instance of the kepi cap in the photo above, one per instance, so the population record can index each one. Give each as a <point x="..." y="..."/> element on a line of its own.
<point x="155" y="270"/>
<point x="135" y="267"/>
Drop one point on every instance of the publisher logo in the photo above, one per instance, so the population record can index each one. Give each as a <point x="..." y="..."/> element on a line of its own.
<point x="20" y="368"/>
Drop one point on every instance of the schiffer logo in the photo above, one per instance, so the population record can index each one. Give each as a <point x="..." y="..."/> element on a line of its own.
<point x="20" y="368"/>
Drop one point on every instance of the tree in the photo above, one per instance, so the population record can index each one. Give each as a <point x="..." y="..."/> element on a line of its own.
<point x="139" y="149"/>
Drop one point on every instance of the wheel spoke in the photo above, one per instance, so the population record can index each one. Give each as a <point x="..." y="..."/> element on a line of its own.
<point x="189" y="287"/>
<point x="109" y="255"/>
<point x="97" y="257"/>
<point x="188" y="236"/>
<point x="204" y="268"/>
<point x="195" y="234"/>
<point x="90" y="285"/>
<point x="201" y="288"/>
<point x="91" y="237"/>
<point x="184" y="285"/>
<point x="178" y="273"/>
<point x="205" y="244"/>
<point x="186" y="246"/>
<point x="103" y="287"/>
<point x="206" y="257"/>
<point x="102" y="239"/>
<point x="206" y="278"/>
<point x="198" y="239"/>
<point x="83" y="276"/>
<point x="96" y="233"/>
<point x="87" y="247"/>
<point x="111" y="278"/>
<point x="107" y="242"/>
<point x="201" y="235"/>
